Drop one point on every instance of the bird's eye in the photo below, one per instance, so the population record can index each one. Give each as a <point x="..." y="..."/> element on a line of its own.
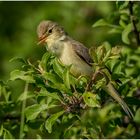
<point x="50" y="31"/>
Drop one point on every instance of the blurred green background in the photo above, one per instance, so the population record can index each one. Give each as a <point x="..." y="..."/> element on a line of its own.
<point x="19" y="20"/>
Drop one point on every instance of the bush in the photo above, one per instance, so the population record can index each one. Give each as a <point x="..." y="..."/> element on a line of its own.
<point x="55" y="104"/>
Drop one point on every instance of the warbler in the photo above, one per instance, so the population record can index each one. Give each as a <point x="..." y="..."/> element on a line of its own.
<point x="72" y="52"/>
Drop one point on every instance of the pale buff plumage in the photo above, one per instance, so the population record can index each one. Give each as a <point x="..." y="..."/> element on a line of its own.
<point x="71" y="52"/>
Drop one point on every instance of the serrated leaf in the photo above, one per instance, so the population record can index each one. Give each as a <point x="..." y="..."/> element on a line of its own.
<point x="17" y="74"/>
<point x="50" y="121"/>
<point x="33" y="111"/>
<point x="91" y="99"/>
<point x="126" y="33"/>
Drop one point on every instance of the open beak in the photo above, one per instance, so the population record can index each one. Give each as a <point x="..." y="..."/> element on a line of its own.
<point x="42" y="40"/>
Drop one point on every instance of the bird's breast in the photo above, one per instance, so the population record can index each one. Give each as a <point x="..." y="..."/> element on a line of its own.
<point x="69" y="57"/>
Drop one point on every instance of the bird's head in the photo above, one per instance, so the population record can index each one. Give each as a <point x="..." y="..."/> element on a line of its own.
<point x="49" y="31"/>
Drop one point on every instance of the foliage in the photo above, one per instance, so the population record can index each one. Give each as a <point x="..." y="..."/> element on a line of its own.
<point x="54" y="104"/>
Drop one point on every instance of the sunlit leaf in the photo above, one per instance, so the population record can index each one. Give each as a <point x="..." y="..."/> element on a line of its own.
<point x="17" y="74"/>
<point x="91" y="99"/>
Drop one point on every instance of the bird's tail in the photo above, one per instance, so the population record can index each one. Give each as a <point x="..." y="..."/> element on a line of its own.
<point x="109" y="88"/>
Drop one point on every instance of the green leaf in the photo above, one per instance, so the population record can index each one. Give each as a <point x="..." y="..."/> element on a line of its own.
<point x="7" y="134"/>
<point x="44" y="60"/>
<point x="91" y="99"/>
<point x="124" y="17"/>
<point x="52" y="77"/>
<point x="1" y="130"/>
<point x="100" y="23"/>
<point x="100" y="83"/>
<point x="104" y="111"/>
<point x="137" y="116"/>
<point x="33" y="111"/>
<point x="66" y="77"/>
<point x="126" y="32"/>
<point x="116" y="50"/>
<point x="58" y="68"/>
<point x="55" y="81"/>
<point x="107" y="56"/>
<point x="122" y="23"/>
<point x="100" y="53"/>
<point x="122" y="4"/>
<point x="19" y="59"/>
<point x="115" y="31"/>
<point x="50" y="121"/>
<point x="17" y="74"/>
<point x="52" y="95"/>
<point x="23" y="97"/>
<point x="92" y="52"/>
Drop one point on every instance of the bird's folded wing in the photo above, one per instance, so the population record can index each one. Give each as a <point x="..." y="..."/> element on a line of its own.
<point x="82" y="51"/>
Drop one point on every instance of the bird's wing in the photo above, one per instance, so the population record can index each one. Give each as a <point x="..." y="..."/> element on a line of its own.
<point x="81" y="51"/>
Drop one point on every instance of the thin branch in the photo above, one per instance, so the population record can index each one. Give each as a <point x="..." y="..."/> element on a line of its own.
<point x="137" y="34"/>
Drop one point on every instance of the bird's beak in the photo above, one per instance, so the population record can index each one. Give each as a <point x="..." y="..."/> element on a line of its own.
<point x="42" y="40"/>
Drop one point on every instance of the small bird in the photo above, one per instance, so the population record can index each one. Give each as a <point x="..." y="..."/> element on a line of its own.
<point x="71" y="52"/>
